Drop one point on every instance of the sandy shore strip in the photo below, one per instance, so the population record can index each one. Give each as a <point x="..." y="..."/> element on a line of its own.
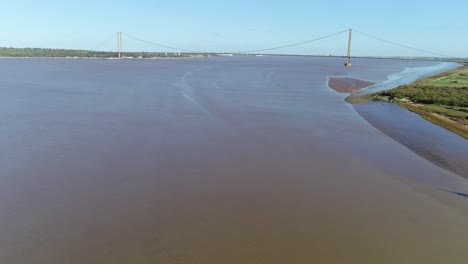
<point x="347" y="85"/>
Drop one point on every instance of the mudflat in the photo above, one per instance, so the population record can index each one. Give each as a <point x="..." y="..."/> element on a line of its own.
<point x="347" y="85"/>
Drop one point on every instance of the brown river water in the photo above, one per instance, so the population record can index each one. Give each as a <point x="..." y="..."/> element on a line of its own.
<point x="219" y="160"/>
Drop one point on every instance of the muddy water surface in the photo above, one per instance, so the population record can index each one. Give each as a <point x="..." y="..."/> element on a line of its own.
<point x="224" y="160"/>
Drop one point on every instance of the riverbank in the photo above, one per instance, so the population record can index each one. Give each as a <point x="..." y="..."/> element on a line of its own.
<point x="435" y="140"/>
<point x="109" y="58"/>
<point x="431" y="142"/>
<point x="440" y="99"/>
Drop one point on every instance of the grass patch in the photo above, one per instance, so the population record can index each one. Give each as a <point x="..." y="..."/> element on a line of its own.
<point x="455" y="95"/>
<point x="442" y="110"/>
<point x="447" y="89"/>
<point x="458" y="80"/>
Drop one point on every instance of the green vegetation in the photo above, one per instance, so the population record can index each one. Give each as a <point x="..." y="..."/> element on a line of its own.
<point x="36" y="52"/>
<point x="461" y="113"/>
<point x="64" y="53"/>
<point x="442" y="99"/>
<point x="456" y="81"/>
<point x="452" y="94"/>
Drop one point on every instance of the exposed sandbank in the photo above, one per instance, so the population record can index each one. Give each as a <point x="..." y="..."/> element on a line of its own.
<point x="347" y="85"/>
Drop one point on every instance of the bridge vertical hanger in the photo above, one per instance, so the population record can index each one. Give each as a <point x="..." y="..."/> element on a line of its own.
<point x="348" y="62"/>
<point x="119" y="44"/>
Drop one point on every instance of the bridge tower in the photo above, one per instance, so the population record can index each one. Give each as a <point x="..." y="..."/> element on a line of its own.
<point x="348" y="62"/>
<point x="119" y="44"/>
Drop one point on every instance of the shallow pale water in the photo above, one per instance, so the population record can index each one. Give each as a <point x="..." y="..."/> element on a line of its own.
<point x="223" y="160"/>
<point x="442" y="147"/>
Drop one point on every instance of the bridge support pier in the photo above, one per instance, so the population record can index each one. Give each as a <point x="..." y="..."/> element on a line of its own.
<point x="348" y="62"/>
<point x="119" y="44"/>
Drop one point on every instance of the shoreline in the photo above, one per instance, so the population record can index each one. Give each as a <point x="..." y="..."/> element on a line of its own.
<point x="106" y="58"/>
<point x="433" y="143"/>
<point x="451" y="118"/>
<point x="455" y="125"/>
<point x="362" y="102"/>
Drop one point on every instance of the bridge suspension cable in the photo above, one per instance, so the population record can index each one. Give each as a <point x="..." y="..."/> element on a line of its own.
<point x="236" y="52"/>
<point x="401" y="45"/>
<point x="273" y="48"/>
<point x="160" y="45"/>
<point x="294" y="44"/>
<point x="104" y="42"/>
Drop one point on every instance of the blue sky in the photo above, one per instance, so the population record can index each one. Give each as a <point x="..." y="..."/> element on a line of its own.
<point x="437" y="26"/>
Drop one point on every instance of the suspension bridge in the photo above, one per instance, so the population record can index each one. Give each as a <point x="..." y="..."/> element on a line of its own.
<point x="430" y="56"/>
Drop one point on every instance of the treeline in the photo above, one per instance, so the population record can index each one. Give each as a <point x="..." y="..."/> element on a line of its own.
<point x="63" y="53"/>
<point x="38" y="52"/>
<point x="428" y="94"/>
